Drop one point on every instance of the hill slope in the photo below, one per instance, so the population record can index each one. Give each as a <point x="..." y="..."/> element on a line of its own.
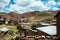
<point x="35" y="15"/>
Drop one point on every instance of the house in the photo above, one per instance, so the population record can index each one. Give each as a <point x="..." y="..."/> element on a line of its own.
<point x="44" y="24"/>
<point x="53" y="21"/>
<point x="2" y="20"/>
<point x="46" y="29"/>
<point x="57" y="16"/>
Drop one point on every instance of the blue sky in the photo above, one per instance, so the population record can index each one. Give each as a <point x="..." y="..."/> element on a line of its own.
<point x="22" y="6"/>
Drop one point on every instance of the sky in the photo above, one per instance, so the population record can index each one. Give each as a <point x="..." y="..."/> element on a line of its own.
<point x="22" y="6"/>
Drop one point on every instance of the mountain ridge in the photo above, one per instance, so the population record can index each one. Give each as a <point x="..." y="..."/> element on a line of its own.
<point x="30" y="15"/>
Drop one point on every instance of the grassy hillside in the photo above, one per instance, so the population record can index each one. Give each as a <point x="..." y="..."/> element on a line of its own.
<point x="12" y="29"/>
<point x="36" y="15"/>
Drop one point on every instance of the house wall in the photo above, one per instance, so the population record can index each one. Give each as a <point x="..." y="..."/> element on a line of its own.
<point x="58" y="25"/>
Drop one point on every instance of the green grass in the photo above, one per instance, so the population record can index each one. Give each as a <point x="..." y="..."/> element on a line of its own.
<point x="10" y="27"/>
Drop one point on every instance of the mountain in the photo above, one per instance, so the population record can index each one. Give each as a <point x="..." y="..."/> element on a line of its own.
<point x="35" y="15"/>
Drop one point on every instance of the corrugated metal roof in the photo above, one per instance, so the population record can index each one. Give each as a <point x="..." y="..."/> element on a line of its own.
<point x="51" y="30"/>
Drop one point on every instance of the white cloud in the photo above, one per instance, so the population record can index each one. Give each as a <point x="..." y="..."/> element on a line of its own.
<point x="28" y="5"/>
<point x="35" y="5"/>
<point x="51" y="3"/>
<point x="3" y="3"/>
<point x="55" y="8"/>
<point x="18" y="8"/>
<point x="22" y="6"/>
<point x="58" y="3"/>
<point x="38" y="5"/>
<point x="24" y="3"/>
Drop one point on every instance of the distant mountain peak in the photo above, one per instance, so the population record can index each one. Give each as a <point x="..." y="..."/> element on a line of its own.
<point x="13" y="13"/>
